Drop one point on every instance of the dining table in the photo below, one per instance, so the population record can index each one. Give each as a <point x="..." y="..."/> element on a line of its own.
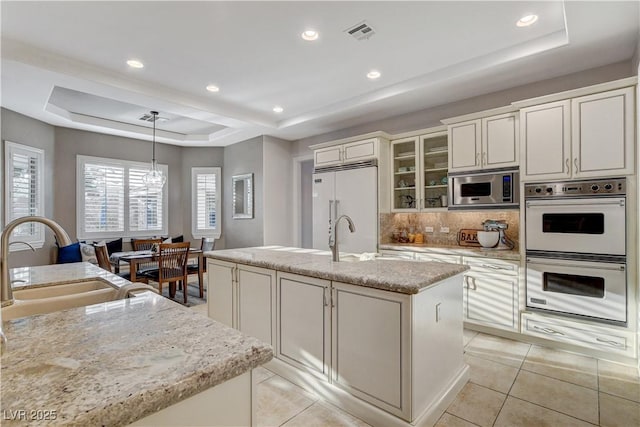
<point x="134" y="258"/>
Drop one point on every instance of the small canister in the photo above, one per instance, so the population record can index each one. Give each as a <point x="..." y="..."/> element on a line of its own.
<point x="444" y="200"/>
<point x="418" y="238"/>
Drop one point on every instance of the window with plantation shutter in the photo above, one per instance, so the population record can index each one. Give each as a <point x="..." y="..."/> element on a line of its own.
<point x="24" y="168"/>
<point x="114" y="202"/>
<point x="205" y="199"/>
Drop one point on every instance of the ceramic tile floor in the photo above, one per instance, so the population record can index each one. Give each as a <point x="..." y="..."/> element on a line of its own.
<point x="511" y="384"/>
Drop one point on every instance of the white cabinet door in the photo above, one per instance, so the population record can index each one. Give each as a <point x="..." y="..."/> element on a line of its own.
<point x="500" y="145"/>
<point x="360" y="150"/>
<point x="257" y="302"/>
<point x="491" y="299"/>
<point x="220" y="291"/>
<point x="328" y="156"/>
<point x="603" y="133"/>
<point x="464" y="146"/>
<point x="371" y="349"/>
<point x="304" y="323"/>
<point x="545" y="133"/>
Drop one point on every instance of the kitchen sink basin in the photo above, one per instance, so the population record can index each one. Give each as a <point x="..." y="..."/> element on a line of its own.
<point x="358" y="258"/>
<point x="47" y="299"/>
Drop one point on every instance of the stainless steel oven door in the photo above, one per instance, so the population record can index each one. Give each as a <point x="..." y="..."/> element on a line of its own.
<point x="589" y="225"/>
<point x="585" y="288"/>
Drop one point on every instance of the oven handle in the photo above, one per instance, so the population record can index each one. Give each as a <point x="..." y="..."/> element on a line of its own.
<point x="547" y="330"/>
<point x="556" y="263"/>
<point x="619" y="202"/>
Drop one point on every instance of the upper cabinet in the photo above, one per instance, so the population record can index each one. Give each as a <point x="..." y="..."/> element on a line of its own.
<point x="419" y="171"/>
<point x="347" y="153"/>
<point x="484" y="142"/>
<point x="582" y="137"/>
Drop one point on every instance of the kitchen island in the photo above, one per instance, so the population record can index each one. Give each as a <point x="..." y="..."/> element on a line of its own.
<point x="144" y="360"/>
<point x="380" y="338"/>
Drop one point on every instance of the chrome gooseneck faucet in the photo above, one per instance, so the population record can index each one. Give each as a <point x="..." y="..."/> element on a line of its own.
<point x="333" y="237"/>
<point x="6" y="293"/>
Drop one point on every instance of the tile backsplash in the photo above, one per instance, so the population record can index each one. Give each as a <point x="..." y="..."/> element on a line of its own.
<point x="454" y="220"/>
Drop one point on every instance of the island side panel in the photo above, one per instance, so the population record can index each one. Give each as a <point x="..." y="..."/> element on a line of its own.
<point x="439" y="370"/>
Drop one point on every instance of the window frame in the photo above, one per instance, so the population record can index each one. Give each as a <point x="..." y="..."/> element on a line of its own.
<point x="195" y="231"/>
<point x="38" y="238"/>
<point x="81" y="160"/>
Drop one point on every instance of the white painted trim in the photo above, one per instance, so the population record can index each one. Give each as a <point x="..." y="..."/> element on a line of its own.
<point x="588" y="90"/>
<point x="215" y="233"/>
<point x="480" y="114"/>
<point x="81" y="234"/>
<point x="430" y="132"/>
<point x="37" y="239"/>
<point x="296" y="197"/>
<point x="377" y="134"/>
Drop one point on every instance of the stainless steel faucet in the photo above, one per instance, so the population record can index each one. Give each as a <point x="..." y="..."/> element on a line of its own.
<point x="6" y="293"/>
<point x="333" y="237"/>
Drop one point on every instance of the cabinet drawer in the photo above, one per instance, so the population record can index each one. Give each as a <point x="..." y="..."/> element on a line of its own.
<point x="452" y="259"/>
<point x="594" y="337"/>
<point x="492" y="265"/>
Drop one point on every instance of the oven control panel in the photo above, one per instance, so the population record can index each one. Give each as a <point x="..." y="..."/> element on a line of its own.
<point x="600" y="187"/>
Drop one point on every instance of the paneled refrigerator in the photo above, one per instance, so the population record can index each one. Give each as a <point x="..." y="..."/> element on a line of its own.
<point x="352" y="192"/>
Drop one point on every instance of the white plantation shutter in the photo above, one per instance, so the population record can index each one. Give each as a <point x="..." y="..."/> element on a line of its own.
<point x="114" y="202"/>
<point x="103" y="198"/>
<point x="205" y="195"/>
<point x="145" y="207"/>
<point x="24" y="168"/>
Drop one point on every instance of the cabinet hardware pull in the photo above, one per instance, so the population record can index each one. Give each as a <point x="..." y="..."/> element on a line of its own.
<point x="324" y="297"/>
<point x="466" y="281"/>
<point x="477" y="159"/>
<point x="566" y="162"/>
<point x="610" y="342"/>
<point x="575" y="163"/>
<point x="331" y="296"/>
<point x="485" y="160"/>
<point x="548" y="330"/>
<point x="471" y="284"/>
<point x="495" y="267"/>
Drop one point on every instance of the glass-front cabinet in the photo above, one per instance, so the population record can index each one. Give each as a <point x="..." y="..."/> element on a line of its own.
<point x="419" y="172"/>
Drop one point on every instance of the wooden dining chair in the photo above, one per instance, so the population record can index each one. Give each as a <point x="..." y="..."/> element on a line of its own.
<point x="102" y="255"/>
<point x="172" y="267"/>
<point x="145" y="245"/>
<point x="206" y="244"/>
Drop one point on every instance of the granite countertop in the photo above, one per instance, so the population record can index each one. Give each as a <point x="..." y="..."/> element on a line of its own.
<point x="58" y="274"/>
<point x="117" y="362"/>
<point x="512" y="255"/>
<point x="407" y="277"/>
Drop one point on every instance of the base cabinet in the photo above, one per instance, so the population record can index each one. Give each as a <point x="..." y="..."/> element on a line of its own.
<point x="370" y="331"/>
<point x="242" y="297"/>
<point x="303" y="321"/>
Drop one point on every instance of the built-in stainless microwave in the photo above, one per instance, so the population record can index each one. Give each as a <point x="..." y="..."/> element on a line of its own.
<point x="497" y="188"/>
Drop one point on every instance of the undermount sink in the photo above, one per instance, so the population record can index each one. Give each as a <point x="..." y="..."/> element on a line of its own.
<point x="47" y="299"/>
<point x="359" y="258"/>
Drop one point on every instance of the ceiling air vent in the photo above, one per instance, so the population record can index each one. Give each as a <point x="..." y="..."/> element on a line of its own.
<point x="360" y="31"/>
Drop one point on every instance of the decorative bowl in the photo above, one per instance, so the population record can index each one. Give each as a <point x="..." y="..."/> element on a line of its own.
<point x="488" y="239"/>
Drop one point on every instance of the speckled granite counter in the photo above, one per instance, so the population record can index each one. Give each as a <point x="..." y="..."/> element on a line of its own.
<point x="114" y="363"/>
<point x="453" y="250"/>
<point x="391" y="275"/>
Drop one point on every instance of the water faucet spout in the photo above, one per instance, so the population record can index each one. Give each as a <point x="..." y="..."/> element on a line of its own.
<point x="333" y="242"/>
<point x="6" y="293"/>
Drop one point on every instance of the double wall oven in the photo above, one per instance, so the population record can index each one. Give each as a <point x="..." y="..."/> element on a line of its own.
<point x="576" y="248"/>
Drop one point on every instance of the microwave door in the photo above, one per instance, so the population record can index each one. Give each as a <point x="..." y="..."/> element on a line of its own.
<point x="475" y="190"/>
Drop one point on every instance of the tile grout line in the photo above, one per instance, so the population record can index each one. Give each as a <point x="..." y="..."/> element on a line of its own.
<point x="554" y="410"/>
<point x="512" y="384"/>
<point x="299" y="413"/>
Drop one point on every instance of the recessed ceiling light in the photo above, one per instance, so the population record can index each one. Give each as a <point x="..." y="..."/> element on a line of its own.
<point x="310" y="35"/>
<point x="278" y="109"/>
<point x="134" y="63"/>
<point x="213" y="88"/>
<point x="373" y="74"/>
<point x="527" y="20"/>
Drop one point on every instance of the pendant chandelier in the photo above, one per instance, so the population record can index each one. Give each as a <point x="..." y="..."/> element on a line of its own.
<point x="154" y="179"/>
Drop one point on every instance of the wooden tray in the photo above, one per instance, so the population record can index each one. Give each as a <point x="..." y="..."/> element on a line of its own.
<point x="468" y="237"/>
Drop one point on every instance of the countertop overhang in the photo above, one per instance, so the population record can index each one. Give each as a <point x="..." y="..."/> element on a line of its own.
<point x="407" y="277"/>
<point x="116" y="362"/>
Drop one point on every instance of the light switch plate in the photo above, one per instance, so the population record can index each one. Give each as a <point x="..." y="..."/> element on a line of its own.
<point x="444" y="229"/>
<point x="428" y="229"/>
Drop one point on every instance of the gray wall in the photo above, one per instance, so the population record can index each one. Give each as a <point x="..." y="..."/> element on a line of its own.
<point x="306" y="204"/>
<point x="27" y="131"/>
<point x="197" y="157"/>
<point x="241" y="158"/>
<point x="432" y="116"/>
<point x="277" y="189"/>
<point x="73" y="142"/>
